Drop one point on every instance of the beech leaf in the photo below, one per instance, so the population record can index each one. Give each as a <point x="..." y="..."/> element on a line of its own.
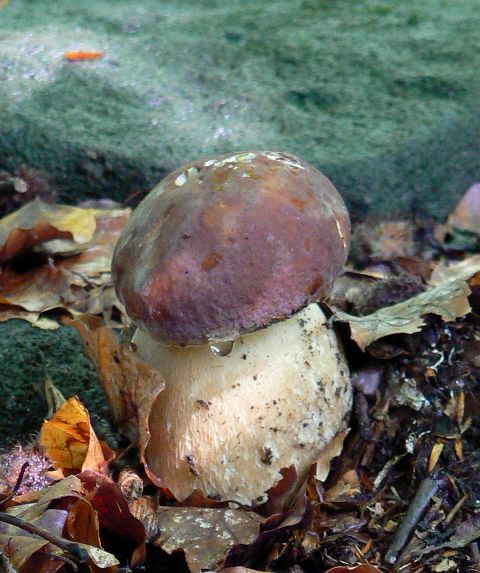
<point x="37" y="222"/>
<point x="69" y="440"/>
<point x="206" y="535"/>
<point x="448" y="300"/>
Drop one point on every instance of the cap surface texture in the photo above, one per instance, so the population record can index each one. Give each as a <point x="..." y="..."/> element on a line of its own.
<point x="227" y="245"/>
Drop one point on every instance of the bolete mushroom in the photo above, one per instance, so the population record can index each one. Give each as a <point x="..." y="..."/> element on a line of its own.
<point x="220" y="268"/>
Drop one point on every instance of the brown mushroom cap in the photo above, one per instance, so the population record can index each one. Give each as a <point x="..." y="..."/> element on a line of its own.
<point x="227" y="245"/>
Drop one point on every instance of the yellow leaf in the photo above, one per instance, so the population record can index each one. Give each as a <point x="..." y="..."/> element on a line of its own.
<point x="37" y="222"/>
<point x="434" y="456"/>
<point x="69" y="441"/>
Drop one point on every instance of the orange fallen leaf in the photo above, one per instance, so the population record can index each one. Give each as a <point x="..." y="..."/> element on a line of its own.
<point x="69" y="441"/>
<point x="80" y="55"/>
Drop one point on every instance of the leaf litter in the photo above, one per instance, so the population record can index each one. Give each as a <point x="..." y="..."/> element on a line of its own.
<point x="402" y="494"/>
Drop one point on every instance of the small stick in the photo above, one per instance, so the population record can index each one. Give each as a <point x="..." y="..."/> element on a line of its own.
<point x="455" y="509"/>
<point x="66" y="560"/>
<point x="71" y="547"/>
<point x="363" y="419"/>
<point x="476" y="555"/>
<point x="17" y="485"/>
<point x="421" y="499"/>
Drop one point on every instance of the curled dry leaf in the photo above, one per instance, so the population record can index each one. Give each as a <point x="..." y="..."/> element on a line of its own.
<point x="449" y="300"/>
<point x="34" y="318"/>
<point x="237" y="570"/>
<point x="37" y="222"/>
<point x="130" y="385"/>
<point x="39" y="291"/>
<point x="364" y="568"/>
<point x="69" y="441"/>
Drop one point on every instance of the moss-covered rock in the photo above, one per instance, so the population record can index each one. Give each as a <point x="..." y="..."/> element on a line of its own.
<point x="382" y="96"/>
<point x="27" y="356"/>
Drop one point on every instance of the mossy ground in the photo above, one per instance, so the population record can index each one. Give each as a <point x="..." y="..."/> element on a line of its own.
<point x="382" y="96"/>
<point x="27" y="356"/>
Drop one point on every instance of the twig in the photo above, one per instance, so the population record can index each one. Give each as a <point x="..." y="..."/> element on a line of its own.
<point x="455" y="509"/>
<point x="78" y="552"/>
<point x="363" y="419"/>
<point x="476" y="555"/>
<point x="420" y="500"/>
<point x="66" y="560"/>
<point x="17" y="485"/>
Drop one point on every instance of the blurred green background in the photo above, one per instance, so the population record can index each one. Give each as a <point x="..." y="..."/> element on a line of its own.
<point x="382" y="96"/>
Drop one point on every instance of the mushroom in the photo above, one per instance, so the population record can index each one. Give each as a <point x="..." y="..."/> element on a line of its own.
<point x="220" y="268"/>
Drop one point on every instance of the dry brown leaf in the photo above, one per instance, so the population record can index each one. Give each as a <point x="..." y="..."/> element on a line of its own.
<point x="24" y="554"/>
<point x="466" y="215"/>
<point x="448" y="300"/>
<point x="37" y="291"/>
<point x="34" y="318"/>
<point x="37" y="222"/>
<point x="69" y="441"/>
<point x="124" y="531"/>
<point x="30" y="556"/>
<point x="96" y="510"/>
<point x="130" y="385"/>
<point x="205" y="535"/>
<point x="347" y="486"/>
<point x="76" y="278"/>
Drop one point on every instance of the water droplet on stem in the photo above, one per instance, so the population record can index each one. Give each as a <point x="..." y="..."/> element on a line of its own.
<point x="221" y="347"/>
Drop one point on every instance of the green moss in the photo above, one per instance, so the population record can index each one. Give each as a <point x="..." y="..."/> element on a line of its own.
<point x="27" y="354"/>
<point x="382" y="96"/>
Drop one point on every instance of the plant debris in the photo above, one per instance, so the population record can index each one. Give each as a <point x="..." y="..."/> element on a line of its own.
<point x="403" y="492"/>
<point x="82" y="55"/>
<point x="57" y="258"/>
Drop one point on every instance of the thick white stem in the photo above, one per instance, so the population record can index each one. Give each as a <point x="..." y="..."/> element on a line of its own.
<point x="227" y="425"/>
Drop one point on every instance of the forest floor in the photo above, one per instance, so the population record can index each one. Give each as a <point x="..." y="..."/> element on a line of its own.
<point x="403" y="495"/>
